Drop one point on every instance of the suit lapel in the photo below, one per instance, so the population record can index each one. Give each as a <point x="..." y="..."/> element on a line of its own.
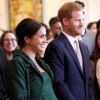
<point x="85" y="60"/>
<point x="71" y="51"/>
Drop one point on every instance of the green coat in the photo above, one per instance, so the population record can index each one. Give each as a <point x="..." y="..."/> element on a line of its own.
<point x="21" y="71"/>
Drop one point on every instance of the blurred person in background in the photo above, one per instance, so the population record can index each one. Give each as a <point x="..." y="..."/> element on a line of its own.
<point x="3" y="63"/>
<point x="87" y="36"/>
<point x="95" y="65"/>
<point x="8" y="42"/>
<point x="55" y="27"/>
<point x="92" y="26"/>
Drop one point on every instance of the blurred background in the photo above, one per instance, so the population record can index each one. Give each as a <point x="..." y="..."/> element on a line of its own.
<point x="12" y="11"/>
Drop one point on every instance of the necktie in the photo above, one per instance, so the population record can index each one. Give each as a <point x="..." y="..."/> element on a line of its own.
<point x="78" y="53"/>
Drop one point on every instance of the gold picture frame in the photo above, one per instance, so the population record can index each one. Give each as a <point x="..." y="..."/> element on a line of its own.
<point x="20" y="9"/>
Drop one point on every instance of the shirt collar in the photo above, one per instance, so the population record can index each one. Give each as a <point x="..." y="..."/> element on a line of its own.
<point x="70" y="38"/>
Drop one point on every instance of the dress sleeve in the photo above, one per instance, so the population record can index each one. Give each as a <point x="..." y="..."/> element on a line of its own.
<point x="16" y="81"/>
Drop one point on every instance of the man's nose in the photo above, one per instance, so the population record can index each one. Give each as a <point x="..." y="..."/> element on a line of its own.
<point x="82" y="23"/>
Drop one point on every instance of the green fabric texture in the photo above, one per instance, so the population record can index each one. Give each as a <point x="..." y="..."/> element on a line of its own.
<point x="24" y="80"/>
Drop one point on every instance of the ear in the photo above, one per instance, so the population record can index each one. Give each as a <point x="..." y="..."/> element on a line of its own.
<point x="26" y="39"/>
<point x="65" y="21"/>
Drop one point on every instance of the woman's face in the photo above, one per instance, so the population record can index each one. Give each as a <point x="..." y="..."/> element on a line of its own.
<point x="98" y="41"/>
<point x="9" y="42"/>
<point x="38" y="42"/>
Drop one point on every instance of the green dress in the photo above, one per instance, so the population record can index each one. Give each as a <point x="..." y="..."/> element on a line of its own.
<point x="47" y="92"/>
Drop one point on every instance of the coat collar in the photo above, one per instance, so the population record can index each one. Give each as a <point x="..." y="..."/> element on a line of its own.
<point x="30" y="63"/>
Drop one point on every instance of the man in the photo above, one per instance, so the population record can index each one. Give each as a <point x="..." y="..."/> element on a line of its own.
<point x="92" y="26"/>
<point x="71" y="76"/>
<point x="55" y="26"/>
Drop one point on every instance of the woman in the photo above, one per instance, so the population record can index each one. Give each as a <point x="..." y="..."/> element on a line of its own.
<point x="8" y="43"/>
<point x="95" y="66"/>
<point x="28" y="77"/>
<point x="96" y="52"/>
<point x="98" y="59"/>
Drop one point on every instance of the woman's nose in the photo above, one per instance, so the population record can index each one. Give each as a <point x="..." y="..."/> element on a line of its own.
<point x="45" y="39"/>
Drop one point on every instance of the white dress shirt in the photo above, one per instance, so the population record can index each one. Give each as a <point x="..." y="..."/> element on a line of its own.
<point x="72" y="41"/>
<point x="70" y="38"/>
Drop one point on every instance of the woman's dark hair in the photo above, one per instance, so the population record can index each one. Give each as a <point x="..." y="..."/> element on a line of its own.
<point x="46" y="27"/>
<point x="3" y="35"/>
<point x="98" y="24"/>
<point x="27" y="27"/>
<point x="96" y="52"/>
<point x="90" y="24"/>
<point x="53" y="20"/>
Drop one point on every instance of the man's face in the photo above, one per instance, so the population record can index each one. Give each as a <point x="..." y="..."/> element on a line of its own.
<point x="93" y="28"/>
<point x="76" y="24"/>
<point x="56" y="28"/>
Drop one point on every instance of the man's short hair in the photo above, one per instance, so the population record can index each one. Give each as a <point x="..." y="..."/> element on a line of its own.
<point x="66" y="10"/>
<point x="81" y="3"/>
<point x="53" y="20"/>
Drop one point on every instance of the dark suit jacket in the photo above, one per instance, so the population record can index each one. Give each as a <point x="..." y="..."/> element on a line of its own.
<point x="70" y="82"/>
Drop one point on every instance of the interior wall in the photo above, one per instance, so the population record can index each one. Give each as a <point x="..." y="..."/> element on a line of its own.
<point x="50" y="9"/>
<point x="4" y="15"/>
<point x="93" y="10"/>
